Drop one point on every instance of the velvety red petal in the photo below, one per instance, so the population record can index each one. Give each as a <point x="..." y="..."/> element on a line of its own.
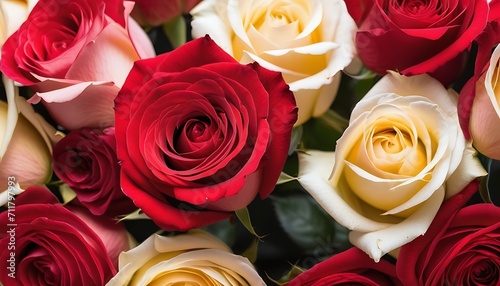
<point x="412" y="260"/>
<point x="166" y="216"/>
<point x="283" y="113"/>
<point x="190" y="56"/>
<point x="36" y="195"/>
<point x="478" y="23"/>
<point x="352" y="265"/>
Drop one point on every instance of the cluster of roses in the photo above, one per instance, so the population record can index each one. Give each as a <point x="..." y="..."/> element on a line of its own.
<point x="190" y="136"/>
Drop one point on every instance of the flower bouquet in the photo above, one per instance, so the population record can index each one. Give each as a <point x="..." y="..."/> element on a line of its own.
<point x="249" y="142"/>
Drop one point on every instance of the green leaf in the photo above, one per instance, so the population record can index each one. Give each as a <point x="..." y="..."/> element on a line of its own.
<point x="492" y="182"/>
<point x="285" y="178"/>
<point x="297" y="132"/>
<point x="363" y="74"/>
<point x="67" y="193"/>
<point x="175" y="30"/>
<point x="224" y="230"/>
<point x="294" y="272"/>
<point x="244" y="216"/>
<point x="137" y="214"/>
<point x="334" y="121"/>
<point x="251" y="251"/>
<point x="309" y="226"/>
<point x="323" y="132"/>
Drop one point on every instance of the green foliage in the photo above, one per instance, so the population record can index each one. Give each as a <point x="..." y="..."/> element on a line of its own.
<point x="175" y="30"/>
<point x="490" y="186"/>
<point x="244" y="216"/>
<point x="225" y="230"/>
<point x="309" y="226"/>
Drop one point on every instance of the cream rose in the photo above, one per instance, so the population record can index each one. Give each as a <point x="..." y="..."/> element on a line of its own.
<point x="401" y="156"/>
<point x="308" y="41"/>
<point x="485" y="114"/>
<point x="195" y="258"/>
<point x="12" y="15"/>
<point x="26" y="141"/>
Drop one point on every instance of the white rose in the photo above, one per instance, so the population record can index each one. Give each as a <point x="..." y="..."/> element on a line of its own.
<point x="485" y="113"/>
<point x="12" y="14"/>
<point x="195" y="258"/>
<point x="26" y="141"/>
<point x="308" y="41"/>
<point x="401" y="156"/>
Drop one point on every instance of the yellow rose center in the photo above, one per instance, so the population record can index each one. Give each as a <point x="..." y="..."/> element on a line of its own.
<point x="396" y="152"/>
<point x="272" y="25"/>
<point x="3" y="119"/>
<point x="385" y="158"/>
<point x="494" y="83"/>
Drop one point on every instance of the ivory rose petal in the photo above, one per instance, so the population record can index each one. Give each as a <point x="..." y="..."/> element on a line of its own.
<point x="13" y="13"/>
<point x="392" y="167"/>
<point x="186" y="258"/>
<point x="26" y="141"/>
<point x="309" y="42"/>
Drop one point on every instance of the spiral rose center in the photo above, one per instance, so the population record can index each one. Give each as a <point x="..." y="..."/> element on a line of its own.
<point x="415" y="7"/>
<point x="484" y="273"/>
<point x="396" y="151"/>
<point x="195" y="130"/>
<point x="391" y="141"/>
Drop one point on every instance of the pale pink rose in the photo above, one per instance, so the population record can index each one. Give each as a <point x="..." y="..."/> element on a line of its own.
<point x="76" y="55"/>
<point x="485" y="114"/>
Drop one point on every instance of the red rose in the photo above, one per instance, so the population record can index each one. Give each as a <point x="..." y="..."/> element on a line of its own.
<point x="416" y="37"/>
<point x="461" y="247"/>
<point x="351" y="267"/>
<point x="199" y="135"/>
<point x="76" y="55"/>
<point x="45" y="244"/>
<point x="157" y="12"/>
<point x="86" y="160"/>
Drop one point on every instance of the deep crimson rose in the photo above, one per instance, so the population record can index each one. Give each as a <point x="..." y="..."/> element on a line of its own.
<point x="157" y="12"/>
<point x="416" y="37"/>
<point x="86" y="160"/>
<point x="461" y="247"/>
<point x="351" y="267"/>
<point x="200" y="135"/>
<point x="49" y="245"/>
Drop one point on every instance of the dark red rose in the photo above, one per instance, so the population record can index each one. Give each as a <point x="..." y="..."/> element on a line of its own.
<point x="157" y="12"/>
<point x="86" y="160"/>
<point x="351" y="267"/>
<point x="416" y="37"/>
<point x="46" y="244"/>
<point x="461" y="247"/>
<point x="200" y="135"/>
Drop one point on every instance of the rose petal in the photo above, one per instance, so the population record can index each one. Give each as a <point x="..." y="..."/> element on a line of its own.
<point x="314" y="171"/>
<point x="380" y="242"/>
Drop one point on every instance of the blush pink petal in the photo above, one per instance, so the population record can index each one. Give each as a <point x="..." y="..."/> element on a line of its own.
<point x="113" y="235"/>
<point x="91" y="106"/>
<point x="109" y="58"/>
<point x="484" y="122"/>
